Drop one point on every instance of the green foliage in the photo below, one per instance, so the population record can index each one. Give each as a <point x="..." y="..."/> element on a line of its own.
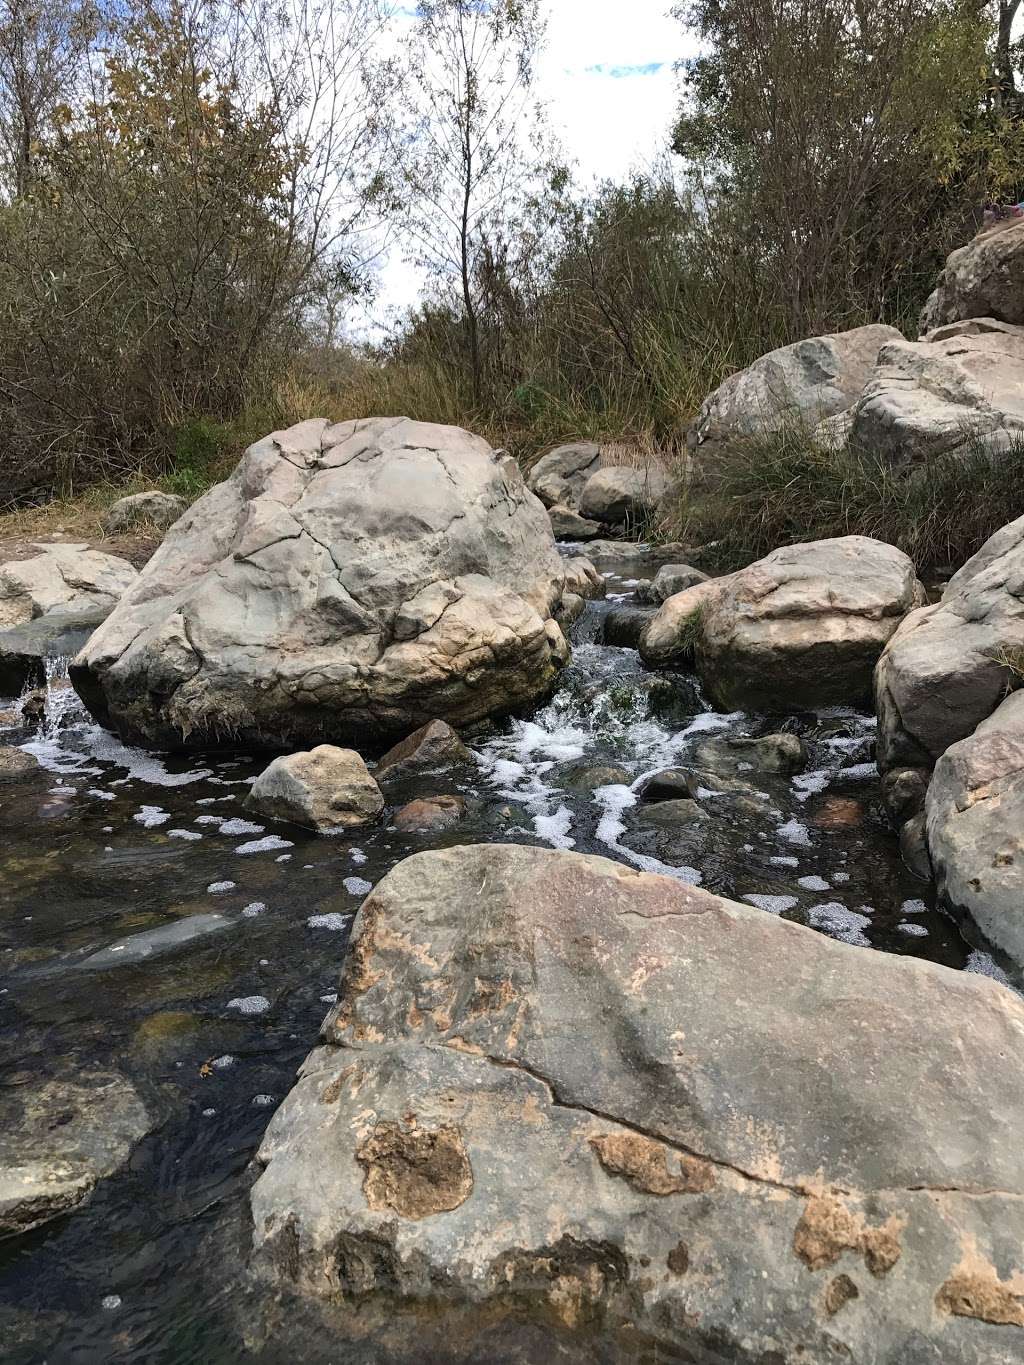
<point x="785" y="488"/>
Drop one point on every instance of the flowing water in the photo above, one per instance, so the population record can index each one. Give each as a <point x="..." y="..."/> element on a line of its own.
<point x="210" y="1017"/>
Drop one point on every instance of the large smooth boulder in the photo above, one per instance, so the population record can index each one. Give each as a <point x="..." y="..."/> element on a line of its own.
<point x="156" y="509"/>
<point x="929" y="398"/>
<point x="565" y="1110"/>
<point x="64" y="578"/>
<point x="327" y="789"/>
<point x="59" y="1138"/>
<point x="623" y="494"/>
<point x="559" y="476"/>
<point x="945" y="669"/>
<point x="802" y="627"/>
<point x="985" y="278"/>
<point x="975" y="828"/>
<point x="349" y="582"/>
<point x="804" y="384"/>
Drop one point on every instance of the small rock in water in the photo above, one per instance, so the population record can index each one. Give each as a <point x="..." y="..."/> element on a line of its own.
<point x="839" y="812"/>
<point x="431" y="814"/>
<point x="250" y="1004"/>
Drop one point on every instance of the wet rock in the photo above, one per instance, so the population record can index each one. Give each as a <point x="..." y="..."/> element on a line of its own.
<point x="64" y="578"/>
<point x="430" y="814"/>
<point x="160" y="510"/>
<point x="327" y="789"/>
<point x="726" y="1144"/>
<point x="558" y="478"/>
<point x="588" y="779"/>
<point x="914" y="847"/>
<point x="802" y="627"/>
<point x="348" y="583"/>
<point x="623" y="626"/>
<point x="928" y="398"/>
<point x="431" y="746"/>
<point x="670" y="812"/>
<point x="838" y="812"/>
<point x="151" y="943"/>
<point x="58" y="1138"/>
<point x="26" y="649"/>
<point x="804" y="384"/>
<point x="782" y="753"/>
<point x="903" y="791"/>
<point x="33" y="706"/>
<point x="167" y="1032"/>
<point x="619" y="495"/>
<point x="984" y="279"/>
<point x="569" y="525"/>
<point x="569" y="610"/>
<point x="975" y="828"/>
<point x="16" y="765"/>
<point x="670" y="579"/>
<point x="582" y="578"/>
<point x="949" y="665"/>
<point x="668" y="785"/>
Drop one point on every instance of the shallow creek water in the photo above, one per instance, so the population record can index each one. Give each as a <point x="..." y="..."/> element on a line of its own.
<point x="111" y="842"/>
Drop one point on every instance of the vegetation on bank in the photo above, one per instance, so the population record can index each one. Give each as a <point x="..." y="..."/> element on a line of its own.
<point x="186" y="220"/>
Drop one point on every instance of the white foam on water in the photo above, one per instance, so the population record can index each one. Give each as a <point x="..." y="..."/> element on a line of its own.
<point x="838" y="878"/>
<point x="267" y="845"/>
<point x="250" y="1004"/>
<point x="332" y="920"/>
<point x="913" y="908"/>
<point x="215" y="888"/>
<point x="284" y="858"/>
<point x="223" y="1062"/>
<point x="554" y="829"/>
<point x="236" y="825"/>
<point x="190" y="834"/>
<point x="94" y="744"/>
<point x="812" y="883"/>
<point x="809" y="784"/>
<point x="983" y="965"/>
<point x="331" y="998"/>
<point x="263" y="1101"/>
<point x="840" y="922"/>
<point x="357" y="886"/>
<point x="795" y="833"/>
<point x="150" y="817"/>
<point x="913" y="930"/>
<point x="256" y="908"/>
<point x="775" y="905"/>
<point x="92" y="791"/>
<point x="357" y="856"/>
<point x="860" y="772"/>
<point x="780" y="859"/>
<point x="615" y="799"/>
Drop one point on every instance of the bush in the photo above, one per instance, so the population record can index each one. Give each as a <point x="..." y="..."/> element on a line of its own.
<point x="784" y="488"/>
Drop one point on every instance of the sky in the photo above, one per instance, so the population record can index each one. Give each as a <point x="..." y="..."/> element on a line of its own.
<point x="607" y="79"/>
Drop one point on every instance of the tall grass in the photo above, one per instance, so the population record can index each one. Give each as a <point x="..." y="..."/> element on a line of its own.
<point x="784" y="488"/>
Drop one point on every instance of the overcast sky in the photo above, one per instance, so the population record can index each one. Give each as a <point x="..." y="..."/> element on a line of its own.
<point x="606" y="76"/>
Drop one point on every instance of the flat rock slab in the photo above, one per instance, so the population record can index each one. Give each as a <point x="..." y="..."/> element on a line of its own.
<point x="152" y="943"/>
<point x="600" y="1108"/>
<point x="58" y="1138"/>
<point x="25" y="649"/>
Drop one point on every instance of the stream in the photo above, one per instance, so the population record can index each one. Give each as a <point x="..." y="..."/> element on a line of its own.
<point x="211" y="1019"/>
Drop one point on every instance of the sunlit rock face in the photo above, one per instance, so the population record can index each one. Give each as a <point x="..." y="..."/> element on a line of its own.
<point x="348" y="582"/>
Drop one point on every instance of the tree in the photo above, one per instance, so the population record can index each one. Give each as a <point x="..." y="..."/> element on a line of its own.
<point x="474" y="146"/>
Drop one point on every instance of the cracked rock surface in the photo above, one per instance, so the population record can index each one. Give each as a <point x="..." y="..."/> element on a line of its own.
<point x="983" y="278"/>
<point x="62" y="578"/>
<point x="349" y="582"/>
<point x="803" y="626"/>
<point x="566" y="1110"/>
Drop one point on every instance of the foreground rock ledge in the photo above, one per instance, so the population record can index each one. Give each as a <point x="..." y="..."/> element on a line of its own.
<point x="565" y="1110"/>
<point x="348" y="583"/>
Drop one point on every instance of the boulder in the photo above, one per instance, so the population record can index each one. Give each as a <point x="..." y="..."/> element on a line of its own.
<point x="430" y="814"/>
<point x="583" y="579"/>
<point x="802" y="627"/>
<point x="16" y="765"/>
<point x="972" y="327"/>
<point x="948" y="666"/>
<point x="975" y="828"/>
<point x="985" y="278"/>
<point x="160" y="510"/>
<point x="349" y="582"/>
<point x="804" y="383"/>
<point x="623" y="626"/>
<point x="558" y="477"/>
<point x="619" y="494"/>
<point x="327" y="789"/>
<point x="565" y="1110"/>
<point x="431" y="746"/>
<point x="62" y="578"/>
<point x="929" y="398"/>
<point x="670" y="579"/>
<point x="59" y="1138"/>
<point x="569" y="525"/>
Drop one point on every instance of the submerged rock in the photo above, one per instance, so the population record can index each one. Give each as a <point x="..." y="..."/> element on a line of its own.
<point x="58" y="1138"/>
<point x="150" y="943"/>
<point x="143" y="509"/>
<point x="430" y="814"/>
<point x="783" y="753"/>
<point x="431" y="746"/>
<point x="349" y="582"/>
<point x="327" y="789"/>
<point x="975" y="828"/>
<point x="802" y="627"/>
<point x="64" y="578"/>
<point x="801" y="384"/>
<point x="717" y="1161"/>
